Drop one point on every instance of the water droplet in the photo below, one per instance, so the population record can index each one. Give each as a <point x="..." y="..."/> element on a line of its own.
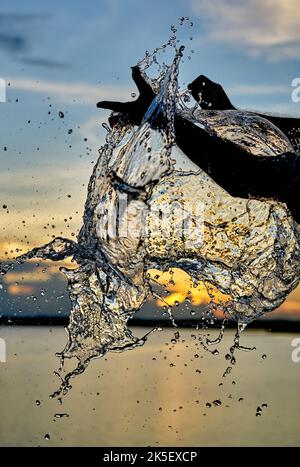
<point x="217" y="402"/>
<point x="47" y="437"/>
<point x="61" y="114"/>
<point x="61" y="415"/>
<point x="227" y="372"/>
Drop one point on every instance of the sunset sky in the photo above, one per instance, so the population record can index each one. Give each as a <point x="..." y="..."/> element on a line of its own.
<point x="64" y="56"/>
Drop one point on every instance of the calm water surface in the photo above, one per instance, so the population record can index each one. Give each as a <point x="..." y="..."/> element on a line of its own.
<point x="154" y="395"/>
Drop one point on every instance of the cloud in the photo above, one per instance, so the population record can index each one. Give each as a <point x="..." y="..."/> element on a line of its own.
<point x="21" y="34"/>
<point x="16" y="289"/>
<point x="71" y="92"/>
<point x="32" y="275"/>
<point x="44" y="62"/>
<point x="258" y="89"/>
<point x="16" y="31"/>
<point x="280" y="98"/>
<point x="267" y="28"/>
<point x="12" y="43"/>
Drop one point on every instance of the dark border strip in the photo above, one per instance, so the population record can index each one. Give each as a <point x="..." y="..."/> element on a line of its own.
<point x="267" y="324"/>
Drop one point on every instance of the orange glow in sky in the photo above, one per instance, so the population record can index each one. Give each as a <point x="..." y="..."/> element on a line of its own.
<point x="181" y="286"/>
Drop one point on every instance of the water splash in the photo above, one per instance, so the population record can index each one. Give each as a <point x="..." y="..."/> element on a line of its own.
<point x="143" y="211"/>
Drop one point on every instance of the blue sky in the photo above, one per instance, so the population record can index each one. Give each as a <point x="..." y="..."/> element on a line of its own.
<point x="236" y="42"/>
<point x="64" y="56"/>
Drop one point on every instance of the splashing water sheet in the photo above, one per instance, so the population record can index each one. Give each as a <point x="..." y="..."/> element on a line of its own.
<point x="149" y="208"/>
